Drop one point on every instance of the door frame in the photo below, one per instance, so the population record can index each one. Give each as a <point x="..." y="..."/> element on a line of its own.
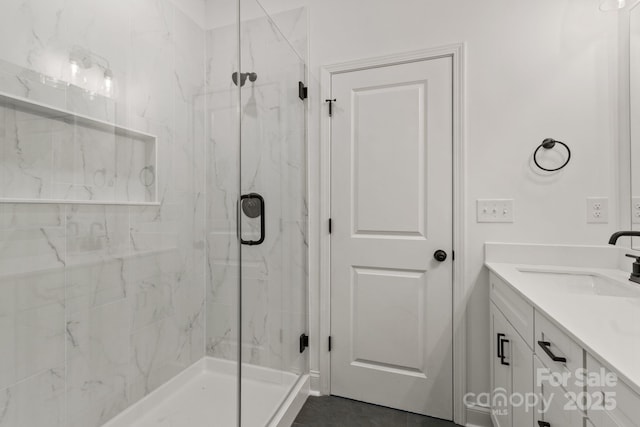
<point x="457" y="53"/>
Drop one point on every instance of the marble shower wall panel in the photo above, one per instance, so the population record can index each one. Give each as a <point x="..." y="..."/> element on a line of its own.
<point x="52" y="157"/>
<point x="274" y="165"/>
<point x="32" y="315"/>
<point x="99" y="305"/>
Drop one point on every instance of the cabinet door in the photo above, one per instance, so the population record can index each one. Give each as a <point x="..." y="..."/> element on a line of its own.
<point x="603" y="420"/>
<point x="500" y="370"/>
<point x="511" y="373"/>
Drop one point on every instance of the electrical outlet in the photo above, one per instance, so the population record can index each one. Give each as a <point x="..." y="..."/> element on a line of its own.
<point x="495" y="210"/>
<point x="635" y="210"/>
<point x="597" y="210"/>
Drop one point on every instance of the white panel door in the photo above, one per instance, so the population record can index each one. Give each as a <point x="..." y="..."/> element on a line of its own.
<point x="391" y="209"/>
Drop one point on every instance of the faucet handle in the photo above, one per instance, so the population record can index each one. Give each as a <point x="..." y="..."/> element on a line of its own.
<point x="637" y="257"/>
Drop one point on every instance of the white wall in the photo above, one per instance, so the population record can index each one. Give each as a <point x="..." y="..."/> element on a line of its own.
<point x="194" y="9"/>
<point x="535" y="69"/>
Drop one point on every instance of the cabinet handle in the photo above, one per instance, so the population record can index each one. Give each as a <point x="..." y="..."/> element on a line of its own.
<point x="545" y="346"/>
<point x="498" y="342"/>
<point x="501" y="341"/>
<point x="543" y="424"/>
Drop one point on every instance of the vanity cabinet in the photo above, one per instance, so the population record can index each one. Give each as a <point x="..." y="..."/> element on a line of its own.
<point x="524" y="343"/>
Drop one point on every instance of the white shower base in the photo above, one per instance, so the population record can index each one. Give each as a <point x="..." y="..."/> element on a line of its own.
<point x="205" y="395"/>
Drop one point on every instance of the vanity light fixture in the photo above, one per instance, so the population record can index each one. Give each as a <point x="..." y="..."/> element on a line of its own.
<point x="612" y="5"/>
<point x="91" y="71"/>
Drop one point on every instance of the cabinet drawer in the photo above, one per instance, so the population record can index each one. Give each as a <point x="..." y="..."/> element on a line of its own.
<point x="602" y="420"/>
<point x="558" y="352"/>
<point x="627" y="403"/>
<point x="558" y="412"/>
<point x="514" y="307"/>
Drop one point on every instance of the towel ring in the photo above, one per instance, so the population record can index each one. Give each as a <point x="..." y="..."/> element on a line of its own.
<point x="548" y="144"/>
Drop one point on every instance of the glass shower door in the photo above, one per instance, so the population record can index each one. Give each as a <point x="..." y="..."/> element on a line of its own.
<point x="272" y="212"/>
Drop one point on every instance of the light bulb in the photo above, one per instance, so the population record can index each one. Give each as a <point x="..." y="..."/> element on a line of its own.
<point x="74" y="68"/>
<point x="108" y="82"/>
<point x="612" y="5"/>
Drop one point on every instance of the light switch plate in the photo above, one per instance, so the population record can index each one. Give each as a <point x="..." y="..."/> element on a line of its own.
<point x="597" y="210"/>
<point x="495" y="210"/>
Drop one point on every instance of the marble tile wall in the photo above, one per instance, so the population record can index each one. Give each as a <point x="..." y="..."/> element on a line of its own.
<point x="99" y="304"/>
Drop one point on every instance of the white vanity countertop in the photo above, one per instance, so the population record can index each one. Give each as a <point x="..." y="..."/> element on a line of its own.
<point x="607" y="327"/>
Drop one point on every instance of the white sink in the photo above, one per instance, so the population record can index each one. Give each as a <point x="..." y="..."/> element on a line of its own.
<point x="583" y="283"/>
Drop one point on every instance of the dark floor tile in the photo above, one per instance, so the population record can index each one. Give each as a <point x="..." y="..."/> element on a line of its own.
<point x="414" y="420"/>
<point x="332" y="411"/>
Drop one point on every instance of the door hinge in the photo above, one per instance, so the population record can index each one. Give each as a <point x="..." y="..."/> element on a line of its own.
<point x="303" y="92"/>
<point x="453" y="255"/>
<point x="304" y="342"/>
<point x="330" y="101"/>
<point x="329" y="342"/>
<point x="330" y="225"/>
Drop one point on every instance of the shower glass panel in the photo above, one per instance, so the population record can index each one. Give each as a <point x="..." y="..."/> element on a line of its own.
<point x="222" y="120"/>
<point x="272" y="215"/>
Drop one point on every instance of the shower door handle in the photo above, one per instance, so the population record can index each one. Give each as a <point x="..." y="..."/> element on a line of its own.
<point x="247" y="202"/>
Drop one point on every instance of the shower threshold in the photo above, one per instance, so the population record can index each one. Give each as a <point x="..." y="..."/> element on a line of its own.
<point x="205" y="395"/>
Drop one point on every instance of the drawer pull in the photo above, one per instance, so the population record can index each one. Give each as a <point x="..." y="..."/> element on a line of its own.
<point x="543" y="424"/>
<point x="545" y="346"/>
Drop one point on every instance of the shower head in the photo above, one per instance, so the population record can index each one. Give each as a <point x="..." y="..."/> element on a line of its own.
<point x="243" y="78"/>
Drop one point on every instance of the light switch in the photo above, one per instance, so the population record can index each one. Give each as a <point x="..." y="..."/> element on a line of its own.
<point x="495" y="210"/>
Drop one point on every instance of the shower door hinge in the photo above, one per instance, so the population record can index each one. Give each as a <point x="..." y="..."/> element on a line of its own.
<point x="304" y="342"/>
<point x="330" y="225"/>
<point x="302" y="91"/>
<point x="329" y="342"/>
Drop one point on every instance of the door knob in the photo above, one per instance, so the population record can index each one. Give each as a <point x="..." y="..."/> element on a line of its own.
<point x="440" y="255"/>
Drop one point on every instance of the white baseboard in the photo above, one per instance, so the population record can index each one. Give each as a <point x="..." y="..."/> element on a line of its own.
<point x="478" y="416"/>
<point x="314" y="376"/>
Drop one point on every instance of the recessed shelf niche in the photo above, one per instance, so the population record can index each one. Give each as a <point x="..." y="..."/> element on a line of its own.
<point x="49" y="155"/>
